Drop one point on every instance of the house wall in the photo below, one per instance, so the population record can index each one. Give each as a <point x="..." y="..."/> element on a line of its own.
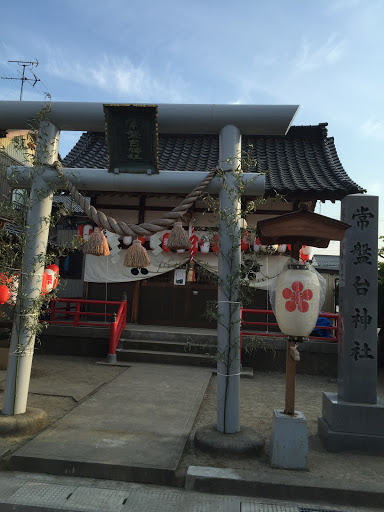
<point x="13" y="151"/>
<point x="329" y="302"/>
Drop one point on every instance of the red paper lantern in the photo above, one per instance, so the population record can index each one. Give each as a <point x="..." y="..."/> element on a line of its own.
<point x="88" y="230"/>
<point x="165" y="242"/>
<point x="4" y="293"/>
<point x="245" y="241"/>
<point x="305" y="252"/>
<point x="84" y="230"/>
<point x="215" y="245"/>
<point x="44" y="284"/>
<point x="4" y="279"/>
<point x="256" y="244"/>
<point x="53" y="267"/>
<point x="51" y="280"/>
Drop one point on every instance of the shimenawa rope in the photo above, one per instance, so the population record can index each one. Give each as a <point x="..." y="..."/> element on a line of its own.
<point x="123" y="229"/>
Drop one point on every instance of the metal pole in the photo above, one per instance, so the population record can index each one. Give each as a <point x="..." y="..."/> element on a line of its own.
<point x="228" y="328"/>
<point x="32" y="268"/>
<point x="22" y="83"/>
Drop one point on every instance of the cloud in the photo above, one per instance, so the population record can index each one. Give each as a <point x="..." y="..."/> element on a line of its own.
<point x="120" y="76"/>
<point x="376" y="189"/>
<point x="373" y="128"/>
<point x="337" y="5"/>
<point x="329" y="53"/>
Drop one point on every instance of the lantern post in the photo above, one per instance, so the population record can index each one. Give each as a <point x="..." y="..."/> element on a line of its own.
<point x="290" y="361"/>
<point x="297" y="306"/>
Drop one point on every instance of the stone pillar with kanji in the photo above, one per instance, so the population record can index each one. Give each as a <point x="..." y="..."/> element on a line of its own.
<point x="353" y="418"/>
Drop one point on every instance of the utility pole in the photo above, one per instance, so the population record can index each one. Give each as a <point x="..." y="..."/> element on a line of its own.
<point x="23" y="78"/>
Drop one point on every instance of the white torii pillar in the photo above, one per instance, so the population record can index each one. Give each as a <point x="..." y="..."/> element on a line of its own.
<point x="26" y="316"/>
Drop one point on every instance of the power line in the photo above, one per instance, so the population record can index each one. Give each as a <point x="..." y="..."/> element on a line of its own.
<point x="22" y="77"/>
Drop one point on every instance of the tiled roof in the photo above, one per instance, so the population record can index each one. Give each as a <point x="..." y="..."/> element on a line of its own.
<point x="15" y="230"/>
<point x="326" y="261"/>
<point x="302" y="164"/>
<point x="68" y="203"/>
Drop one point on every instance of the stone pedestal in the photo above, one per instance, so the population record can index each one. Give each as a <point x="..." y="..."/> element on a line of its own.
<point x="288" y="448"/>
<point x="351" y="425"/>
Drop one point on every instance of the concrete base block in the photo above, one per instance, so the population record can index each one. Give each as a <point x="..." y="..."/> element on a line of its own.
<point x="111" y="358"/>
<point x="288" y="447"/>
<point x="245" y="442"/>
<point x="32" y="421"/>
<point x="351" y="425"/>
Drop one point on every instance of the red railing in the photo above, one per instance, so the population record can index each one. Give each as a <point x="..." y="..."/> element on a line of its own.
<point x="334" y="318"/>
<point x="73" y="310"/>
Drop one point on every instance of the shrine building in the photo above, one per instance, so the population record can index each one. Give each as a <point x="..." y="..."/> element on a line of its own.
<point x="302" y="166"/>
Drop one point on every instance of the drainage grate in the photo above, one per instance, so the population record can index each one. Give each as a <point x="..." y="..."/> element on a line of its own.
<point x="306" y="509"/>
<point x="274" y="507"/>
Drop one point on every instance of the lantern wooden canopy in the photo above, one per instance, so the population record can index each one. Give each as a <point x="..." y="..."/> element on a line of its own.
<point x="301" y="226"/>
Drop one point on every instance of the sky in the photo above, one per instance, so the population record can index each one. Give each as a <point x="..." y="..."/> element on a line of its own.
<point x="327" y="57"/>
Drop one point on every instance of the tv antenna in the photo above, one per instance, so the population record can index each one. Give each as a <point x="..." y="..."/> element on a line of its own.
<point x="22" y="77"/>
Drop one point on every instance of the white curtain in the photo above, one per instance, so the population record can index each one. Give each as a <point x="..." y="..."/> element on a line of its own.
<point x="101" y="269"/>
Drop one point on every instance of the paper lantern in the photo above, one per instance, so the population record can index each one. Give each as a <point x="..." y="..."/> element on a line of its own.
<point x="297" y="300"/>
<point x="205" y="245"/>
<point x="305" y="252"/>
<point x="245" y="241"/>
<point x="142" y="239"/>
<point x="127" y="240"/>
<point x="88" y="229"/>
<point x="165" y="242"/>
<point x="4" y="293"/>
<point x="215" y="247"/>
<point x="256" y="245"/>
<point x="53" y="267"/>
<point x="50" y="281"/>
<point x="5" y="279"/>
<point x="44" y="284"/>
<point x="282" y="248"/>
<point x="84" y="230"/>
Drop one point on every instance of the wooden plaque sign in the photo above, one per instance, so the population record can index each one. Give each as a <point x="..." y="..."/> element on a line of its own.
<point x="132" y="138"/>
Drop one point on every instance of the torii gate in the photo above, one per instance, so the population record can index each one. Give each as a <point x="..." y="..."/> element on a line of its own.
<point x="230" y="122"/>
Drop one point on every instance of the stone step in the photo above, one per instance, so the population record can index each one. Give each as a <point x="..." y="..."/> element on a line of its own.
<point x="161" y="357"/>
<point x="168" y="346"/>
<point x="170" y="334"/>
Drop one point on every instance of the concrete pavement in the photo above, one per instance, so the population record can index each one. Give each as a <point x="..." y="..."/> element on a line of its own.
<point x="132" y="423"/>
<point x="134" y="428"/>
